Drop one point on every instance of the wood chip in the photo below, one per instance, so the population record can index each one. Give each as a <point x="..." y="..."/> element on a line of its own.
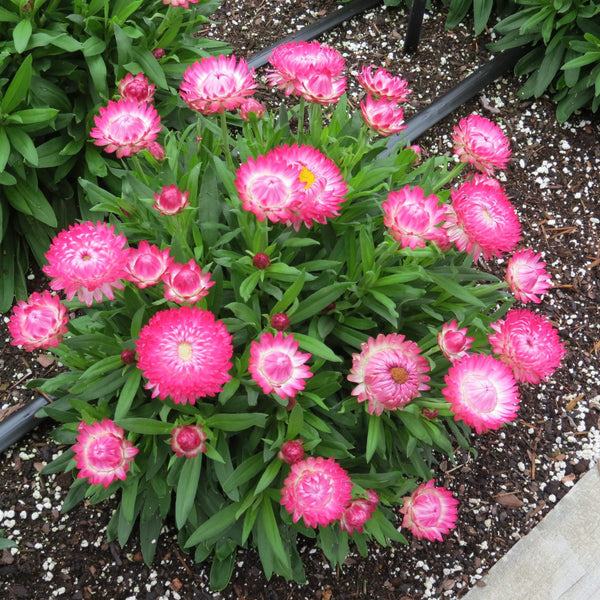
<point x="509" y="500"/>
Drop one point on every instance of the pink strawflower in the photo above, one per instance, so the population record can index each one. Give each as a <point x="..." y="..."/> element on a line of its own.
<point x="482" y="392"/>
<point x="126" y="127"/>
<point x="147" y="264"/>
<point x="412" y="218"/>
<point x="184" y="353"/>
<point x="216" y="84"/>
<point x="481" y="220"/>
<point x="280" y="321"/>
<point x="277" y="366"/>
<point x="184" y="3"/>
<point x="382" y="116"/>
<point x="292" y="451"/>
<point x="358" y="512"/>
<point x="481" y="143"/>
<point x="526" y="276"/>
<point x="382" y="84"/>
<point x="186" y="283"/>
<point x="250" y="105"/>
<point x="188" y="440"/>
<point x="157" y="151"/>
<point x="40" y="322"/>
<point x="320" y="88"/>
<point x="171" y="200"/>
<point x="389" y="373"/>
<point x="102" y="453"/>
<point x="317" y="490"/>
<point x="136" y="88"/>
<point x="454" y="342"/>
<point x="430" y="511"/>
<point x="88" y="260"/>
<point x="529" y="344"/>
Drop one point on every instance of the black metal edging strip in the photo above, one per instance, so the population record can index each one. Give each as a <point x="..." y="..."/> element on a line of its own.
<point x="15" y="426"/>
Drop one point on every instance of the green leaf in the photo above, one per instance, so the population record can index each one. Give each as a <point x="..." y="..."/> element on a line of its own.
<point x="247" y="286"/>
<point x="17" y="90"/>
<point x="415" y="425"/>
<point x="374" y="433"/>
<point x="150" y="66"/>
<point x="289" y="295"/>
<point x="221" y="571"/>
<point x="317" y="301"/>
<point x="23" y="144"/>
<point x="21" y="35"/>
<point x="145" y="426"/>
<point x="236" y="422"/>
<point x="316" y="347"/>
<point x="215" y="526"/>
<point x="481" y="14"/>
<point x="34" y="115"/>
<point x="270" y="545"/>
<point x="4" y="152"/>
<point x="187" y="487"/>
<point x="267" y="477"/>
<point x="454" y="288"/>
<point x="128" y="393"/>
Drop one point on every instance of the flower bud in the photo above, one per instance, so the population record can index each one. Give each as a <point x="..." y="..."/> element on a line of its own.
<point x="128" y="357"/>
<point x="158" y="53"/>
<point x="291" y="451"/>
<point x="280" y="321"/>
<point x="157" y="151"/>
<point x="453" y="342"/>
<point x="250" y="105"/>
<point x="261" y="261"/>
<point x="136" y="88"/>
<point x="430" y="414"/>
<point x="171" y="200"/>
<point x="186" y="283"/>
<point x="188" y="440"/>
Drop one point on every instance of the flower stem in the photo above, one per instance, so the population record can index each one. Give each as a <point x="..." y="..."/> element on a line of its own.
<point x="225" y="134"/>
<point x="138" y="167"/>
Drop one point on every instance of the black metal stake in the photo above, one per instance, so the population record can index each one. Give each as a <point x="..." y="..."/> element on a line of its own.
<point x="413" y="30"/>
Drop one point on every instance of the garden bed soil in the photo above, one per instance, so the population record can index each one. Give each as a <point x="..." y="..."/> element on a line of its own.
<point x="518" y="474"/>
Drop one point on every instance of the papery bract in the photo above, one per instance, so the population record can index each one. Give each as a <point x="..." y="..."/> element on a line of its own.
<point x="320" y="88"/>
<point x="291" y="451"/>
<point x="453" y="341"/>
<point x="383" y="116"/>
<point x="147" y="264"/>
<point x="188" y="440"/>
<point x="526" y="276"/>
<point x="157" y="151"/>
<point x="183" y="3"/>
<point x="171" y="200"/>
<point x="186" y="283"/>
<point x="136" y="88"/>
<point x="382" y="84"/>
<point x="358" y="512"/>
<point x="250" y="105"/>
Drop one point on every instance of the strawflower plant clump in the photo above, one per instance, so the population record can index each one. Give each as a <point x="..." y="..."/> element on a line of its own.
<point x="277" y="329"/>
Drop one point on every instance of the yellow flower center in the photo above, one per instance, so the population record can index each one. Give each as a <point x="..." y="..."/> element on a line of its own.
<point x="399" y="375"/>
<point x="184" y="350"/>
<point x="307" y="177"/>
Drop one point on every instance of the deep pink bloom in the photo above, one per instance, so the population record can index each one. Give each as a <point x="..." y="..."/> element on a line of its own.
<point x="277" y="366"/>
<point x="126" y="127"/>
<point x="184" y="353"/>
<point x="186" y="283"/>
<point x="320" y="88"/>
<point x="171" y="200"/>
<point x="280" y="321"/>
<point x="430" y="511"/>
<point x="188" y="440"/>
<point x="184" y="3"/>
<point x="389" y="372"/>
<point x="40" y="322"/>
<point x="358" y="512"/>
<point x="158" y="53"/>
<point x="147" y="264"/>
<point x="261" y="260"/>
<point x="88" y="260"/>
<point x="128" y="357"/>
<point x="102" y="453"/>
<point x="482" y="392"/>
<point x="216" y="84"/>
<point x="526" y="276"/>
<point x="291" y="451"/>
<point x="482" y="220"/>
<point x="250" y="105"/>
<point x="382" y="116"/>
<point x="454" y="342"/>
<point x="412" y="218"/>
<point x="136" y="88"/>
<point x="529" y="344"/>
<point x="317" y="490"/>
<point x="382" y="84"/>
<point x="481" y="143"/>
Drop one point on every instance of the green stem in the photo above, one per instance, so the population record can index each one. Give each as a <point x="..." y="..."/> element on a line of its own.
<point x="449" y="176"/>
<point x="225" y="134"/>
<point x="138" y="167"/>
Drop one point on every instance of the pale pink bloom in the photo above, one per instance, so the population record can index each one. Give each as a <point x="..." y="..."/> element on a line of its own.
<point x="157" y="151"/>
<point x="412" y="218"/>
<point x="481" y="220"/>
<point x="382" y="84"/>
<point x="389" y="373"/>
<point x="188" y="440"/>
<point x="526" y="276"/>
<point x="316" y="490"/>
<point x="186" y="283"/>
<point x="481" y="143"/>
<point x="250" y="105"/>
<point x="358" y="512"/>
<point x="216" y="84"/>
<point x="454" y="342"/>
<point x="482" y="392"/>
<point x="147" y="264"/>
<point x="102" y="453"/>
<point x="382" y="116"/>
<point x="291" y="451"/>
<point x="40" y="322"/>
<point x="126" y="127"/>
<point x="136" y="88"/>
<point x="184" y="353"/>
<point x="529" y="344"/>
<point x="320" y="88"/>
<point x="277" y="366"/>
<point x="430" y="511"/>
<point x="171" y="200"/>
<point x="88" y="260"/>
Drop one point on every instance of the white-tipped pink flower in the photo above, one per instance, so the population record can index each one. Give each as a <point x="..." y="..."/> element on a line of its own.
<point x="358" y="512"/>
<point x="147" y="264"/>
<point x="526" y="276"/>
<point x="320" y="88"/>
<point x="102" y="454"/>
<point x="389" y="372"/>
<point x="171" y="200"/>
<point x="277" y="366"/>
<point x="250" y="105"/>
<point x="216" y="84"/>
<point x="316" y="490"/>
<point x="188" y="440"/>
<point x="529" y="344"/>
<point x="481" y="143"/>
<point x="430" y="512"/>
<point x="184" y="353"/>
<point x="454" y="342"/>
<point x="292" y="451"/>
<point x="126" y="127"/>
<point x="186" y="284"/>
<point x="382" y="84"/>
<point x="382" y="116"/>
<point x="136" y="88"/>
<point x="482" y="392"/>
<point x="40" y="322"/>
<point x="88" y="260"/>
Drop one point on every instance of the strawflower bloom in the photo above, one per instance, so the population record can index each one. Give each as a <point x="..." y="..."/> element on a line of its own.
<point x="216" y="84"/>
<point x="184" y="353"/>
<point x="147" y="264"/>
<point x="429" y="512"/>
<point x="358" y="512"/>
<point x="188" y="440"/>
<point x="389" y="373"/>
<point x="40" y="322"/>
<point x="291" y="451"/>
<point x="526" y="276"/>
<point x="453" y="341"/>
<point x="136" y="88"/>
<point x="88" y="260"/>
<point x="250" y="105"/>
<point x="382" y="84"/>
<point x="481" y="143"/>
<point x="126" y="127"/>
<point x="320" y="88"/>
<point x="157" y="151"/>
<point x="277" y="366"/>
<point x="316" y="490"/>
<point x="186" y="283"/>
<point x="184" y="3"/>
<point x="482" y="392"/>
<point x="382" y="116"/>
<point x="171" y="200"/>
<point x="529" y="344"/>
<point x="102" y="454"/>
